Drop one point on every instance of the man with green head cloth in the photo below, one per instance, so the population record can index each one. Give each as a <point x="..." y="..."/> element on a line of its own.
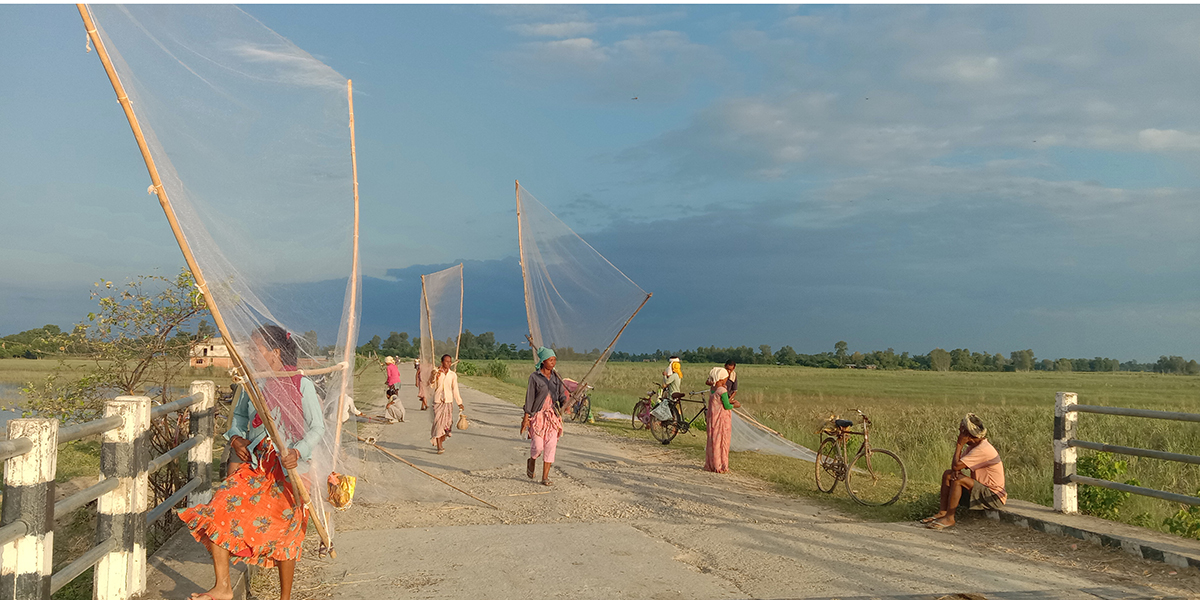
<point x="542" y="420"/>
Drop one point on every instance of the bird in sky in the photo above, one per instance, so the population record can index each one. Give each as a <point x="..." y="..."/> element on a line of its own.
<point x="635" y="98"/>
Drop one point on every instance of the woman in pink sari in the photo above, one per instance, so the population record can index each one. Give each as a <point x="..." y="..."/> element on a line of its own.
<point x="720" y="417"/>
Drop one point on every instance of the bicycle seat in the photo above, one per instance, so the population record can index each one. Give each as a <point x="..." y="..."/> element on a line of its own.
<point x="843" y="423"/>
<point x="677" y="395"/>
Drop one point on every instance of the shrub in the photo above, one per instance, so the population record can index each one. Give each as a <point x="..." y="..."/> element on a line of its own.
<point x="1098" y="501"/>
<point x="497" y="369"/>
<point x="1186" y="522"/>
<point x="467" y="368"/>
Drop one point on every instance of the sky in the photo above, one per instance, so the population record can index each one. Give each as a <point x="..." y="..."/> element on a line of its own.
<point x="988" y="177"/>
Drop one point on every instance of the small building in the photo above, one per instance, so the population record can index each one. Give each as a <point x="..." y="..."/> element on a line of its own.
<point x="210" y="353"/>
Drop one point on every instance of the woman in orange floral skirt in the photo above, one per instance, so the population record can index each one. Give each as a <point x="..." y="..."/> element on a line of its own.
<point x="254" y="516"/>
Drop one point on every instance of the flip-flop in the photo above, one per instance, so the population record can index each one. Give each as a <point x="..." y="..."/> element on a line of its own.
<point x="529" y="472"/>
<point x="936" y="526"/>
<point x="441" y="450"/>
<point x="547" y="483"/>
<point x="928" y="520"/>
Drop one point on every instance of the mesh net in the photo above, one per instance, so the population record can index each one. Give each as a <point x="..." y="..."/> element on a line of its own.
<point x="576" y="301"/>
<point x="749" y="435"/>
<point x="441" y="317"/>
<point x="250" y="136"/>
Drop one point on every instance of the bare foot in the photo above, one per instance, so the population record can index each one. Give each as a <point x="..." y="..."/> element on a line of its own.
<point x="214" y="594"/>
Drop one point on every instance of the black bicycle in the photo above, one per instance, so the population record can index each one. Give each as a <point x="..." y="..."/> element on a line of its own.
<point x="666" y="430"/>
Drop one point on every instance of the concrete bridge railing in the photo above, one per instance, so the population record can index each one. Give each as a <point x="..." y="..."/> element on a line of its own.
<point x="122" y="495"/>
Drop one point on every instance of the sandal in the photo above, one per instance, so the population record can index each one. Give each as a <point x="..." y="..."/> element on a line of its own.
<point x="546" y="482"/>
<point x="441" y="450"/>
<point x="928" y="520"/>
<point x="937" y="526"/>
<point x="529" y="469"/>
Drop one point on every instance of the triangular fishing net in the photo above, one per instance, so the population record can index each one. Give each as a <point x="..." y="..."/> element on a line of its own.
<point x="576" y="301"/>
<point x="441" y="317"/>
<point x="251" y="137"/>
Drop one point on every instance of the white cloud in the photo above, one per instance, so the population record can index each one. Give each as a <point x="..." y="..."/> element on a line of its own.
<point x="560" y="30"/>
<point x="1168" y="139"/>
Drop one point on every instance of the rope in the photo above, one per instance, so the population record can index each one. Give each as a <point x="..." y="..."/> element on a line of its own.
<point x="371" y="442"/>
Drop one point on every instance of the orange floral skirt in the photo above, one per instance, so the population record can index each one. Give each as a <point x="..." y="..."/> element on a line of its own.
<point x="253" y="514"/>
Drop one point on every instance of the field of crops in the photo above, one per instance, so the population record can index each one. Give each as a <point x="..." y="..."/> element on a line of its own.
<point x="916" y="414"/>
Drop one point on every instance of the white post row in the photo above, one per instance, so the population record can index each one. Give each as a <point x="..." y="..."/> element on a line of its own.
<point x="26" y="564"/>
<point x="121" y="513"/>
<point x="203" y="422"/>
<point x="1066" y="493"/>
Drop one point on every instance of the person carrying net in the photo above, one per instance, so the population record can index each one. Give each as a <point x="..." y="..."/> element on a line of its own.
<point x="254" y="515"/>
<point x="444" y="385"/>
<point x="543" y="395"/>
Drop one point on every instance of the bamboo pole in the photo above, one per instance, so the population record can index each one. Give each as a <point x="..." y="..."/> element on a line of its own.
<point x="530" y="316"/>
<point x="255" y="394"/>
<point x="351" y="330"/>
<point x="378" y="447"/>
<point x="583" y="381"/>
<point x="458" y="340"/>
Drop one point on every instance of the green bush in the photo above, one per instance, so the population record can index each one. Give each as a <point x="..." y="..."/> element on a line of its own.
<point x="467" y="368"/>
<point x="1186" y="522"/>
<point x="497" y="369"/>
<point x="1098" y="501"/>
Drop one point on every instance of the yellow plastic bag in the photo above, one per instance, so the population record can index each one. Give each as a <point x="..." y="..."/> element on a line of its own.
<point x="341" y="490"/>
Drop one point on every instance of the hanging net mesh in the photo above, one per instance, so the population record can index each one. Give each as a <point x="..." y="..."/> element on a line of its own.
<point x="576" y="301"/>
<point x="749" y="435"/>
<point x="250" y="136"/>
<point x="441" y="318"/>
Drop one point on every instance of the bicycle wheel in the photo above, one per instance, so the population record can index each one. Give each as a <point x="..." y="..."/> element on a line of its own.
<point x="638" y="410"/>
<point x="664" y="431"/>
<point x="876" y="478"/>
<point x="830" y="464"/>
<point x="583" y="409"/>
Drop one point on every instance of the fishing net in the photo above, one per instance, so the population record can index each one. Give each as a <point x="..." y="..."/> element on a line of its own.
<point x="441" y="317"/>
<point x="250" y="136"/>
<point x="576" y="301"/>
<point x="749" y="435"/>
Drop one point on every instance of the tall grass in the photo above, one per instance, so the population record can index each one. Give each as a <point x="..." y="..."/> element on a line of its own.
<point x="916" y="413"/>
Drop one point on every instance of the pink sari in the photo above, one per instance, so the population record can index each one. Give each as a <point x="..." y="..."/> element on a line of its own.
<point x="720" y="430"/>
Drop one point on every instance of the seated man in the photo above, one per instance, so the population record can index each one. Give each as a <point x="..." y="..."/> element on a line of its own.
<point x="985" y="485"/>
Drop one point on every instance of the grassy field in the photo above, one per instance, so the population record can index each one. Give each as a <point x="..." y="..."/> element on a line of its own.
<point x="916" y="413"/>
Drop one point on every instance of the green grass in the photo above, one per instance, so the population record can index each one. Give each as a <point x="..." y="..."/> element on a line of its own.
<point x="916" y="413"/>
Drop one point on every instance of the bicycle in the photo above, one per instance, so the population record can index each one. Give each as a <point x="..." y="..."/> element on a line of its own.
<point x="580" y="405"/>
<point x="641" y="409"/>
<point x="665" y="431"/>
<point x="875" y="477"/>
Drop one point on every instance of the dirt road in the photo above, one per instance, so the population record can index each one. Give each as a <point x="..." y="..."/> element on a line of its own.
<point x="630" y="519"/>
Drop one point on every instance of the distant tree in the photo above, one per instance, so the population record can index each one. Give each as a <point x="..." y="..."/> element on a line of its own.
<point x="205" y="331"/>
<point x="839" y="350"/>
<point x="1192" y="368"/>
<point x="786" y="356"/>
<point x="765" y="356"/>
<point x="1065" y="365"/>
<point x="1022" y="360"/>
<point x="939" y="360"/>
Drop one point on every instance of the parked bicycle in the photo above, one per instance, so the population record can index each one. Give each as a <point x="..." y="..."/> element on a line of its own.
<point x="874" y="477"/>
<point x="665" y="430"/>
<point x="579" y="402"/>
<point x="641" y="409"/>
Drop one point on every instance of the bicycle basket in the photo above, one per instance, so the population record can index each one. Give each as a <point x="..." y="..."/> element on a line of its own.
<point x="662" y="411"/>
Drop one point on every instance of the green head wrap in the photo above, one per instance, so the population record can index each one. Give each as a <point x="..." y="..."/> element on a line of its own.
<point x="542" y="354"/>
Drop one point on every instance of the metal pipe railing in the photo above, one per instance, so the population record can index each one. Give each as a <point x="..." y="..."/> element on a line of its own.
<point x="180" y="404"/>
<point x="17" y="447"/>
<point x="1066" y="480"/>
<point x="82" y="497"/>
<point x="82" y="430"/>
<point x="166" y="457"/>
<point x="81" y="564"/>
<point x="121" y="496"/>
<point x="175" y="498"/>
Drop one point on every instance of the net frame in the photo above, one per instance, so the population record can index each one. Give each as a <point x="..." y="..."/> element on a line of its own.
<point x="532" y="253"/>
<point x="216" y="302"/>
<point x="440" y="286"/>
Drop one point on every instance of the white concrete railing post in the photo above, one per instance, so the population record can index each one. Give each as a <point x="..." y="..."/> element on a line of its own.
<point x="27" y="561"/>
<point x="203" y="421"/>
<point x="1066" y="492"/>
<point x="121" y="513"/>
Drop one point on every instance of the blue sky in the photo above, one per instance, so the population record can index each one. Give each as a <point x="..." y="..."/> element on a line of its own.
<point x="995" y="178"/>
